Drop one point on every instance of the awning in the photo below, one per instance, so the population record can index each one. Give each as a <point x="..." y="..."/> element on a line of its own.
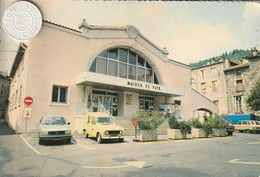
<point x="101" y="81"/>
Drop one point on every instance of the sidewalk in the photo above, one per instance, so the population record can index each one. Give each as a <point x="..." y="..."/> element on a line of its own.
<point x="4" y="129"/>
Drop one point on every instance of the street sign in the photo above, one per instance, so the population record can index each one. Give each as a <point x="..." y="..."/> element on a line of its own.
<point x="28" y="100"/>
<point x="27" y="112"/>
<point x="135" y="122"/>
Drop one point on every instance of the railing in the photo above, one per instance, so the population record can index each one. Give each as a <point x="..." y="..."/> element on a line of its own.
<point x="91" y="107"/>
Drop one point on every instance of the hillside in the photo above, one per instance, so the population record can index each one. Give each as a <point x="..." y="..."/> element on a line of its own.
<point x="236" y="54"/>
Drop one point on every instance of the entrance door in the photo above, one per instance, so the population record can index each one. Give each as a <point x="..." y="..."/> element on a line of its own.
<point x="146" y="103"/>
<point x="107" y="99"/>
<point x="98" y="99"/>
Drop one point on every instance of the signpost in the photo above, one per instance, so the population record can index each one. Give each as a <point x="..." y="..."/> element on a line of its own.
<point x="135" y="123"/>
<point x="27" y="110"/>
<point x="28" y="100"/>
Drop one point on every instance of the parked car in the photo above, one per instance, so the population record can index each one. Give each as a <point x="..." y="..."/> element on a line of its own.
<point x="249" y="126"/>
<point x="54" y="129"/>
<point x="230" y="129"/>
<point x="103" y="127"/>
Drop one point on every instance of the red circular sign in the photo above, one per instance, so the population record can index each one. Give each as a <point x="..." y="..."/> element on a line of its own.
<point x="135" y="122"/>
<point x="28" y="100"/>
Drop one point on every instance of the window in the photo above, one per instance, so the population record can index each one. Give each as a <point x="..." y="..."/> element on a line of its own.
<point x="238" y="72"/>
<point x="203" y="87"/>
<point x="217" y="103"/>
<point x="202" y="74"/>
<point x="177" y="102"/>
<point x="239" y="86"/>
<point x="238" y="104"/>
<point x="214" y="86"/>
<point x="124" y="63"/>
<point x="59" y="94"/>
<point x="20" y="95"/>
<point x="213" y="72"/>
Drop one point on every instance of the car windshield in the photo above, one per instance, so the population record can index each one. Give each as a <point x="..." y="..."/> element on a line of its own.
<point x="53" y="121"/>
<point x="257" y="123"/>
<point x="102" y="120"/>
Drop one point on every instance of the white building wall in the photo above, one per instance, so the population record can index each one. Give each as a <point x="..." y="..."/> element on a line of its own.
<point x="56" y="56"/>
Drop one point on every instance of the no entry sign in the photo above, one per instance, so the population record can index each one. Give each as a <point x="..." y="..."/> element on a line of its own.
<point x="28" y="100"/>
<point x="135" y="122"/>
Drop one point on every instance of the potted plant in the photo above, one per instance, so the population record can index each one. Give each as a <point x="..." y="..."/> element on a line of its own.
<point x="148" y="122"/>
<point x="178" y="129"/>
<point x="219" y="125"/>
<point x="201" y="129"/>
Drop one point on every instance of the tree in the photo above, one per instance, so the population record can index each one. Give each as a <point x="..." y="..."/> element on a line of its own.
<point x="253" y="99"/>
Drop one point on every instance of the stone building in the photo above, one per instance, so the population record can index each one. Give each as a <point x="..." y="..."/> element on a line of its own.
<point x="240" y="80"/>
<point x="4" y="94"/>
<point x="209" y="80"/>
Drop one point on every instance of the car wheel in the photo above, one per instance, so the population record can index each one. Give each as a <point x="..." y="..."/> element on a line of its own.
<point x="99" y="138"/>
<point x="86" y="135"/>
<point x="248" y="131"/>
<point x="121" y="140"/>
<point x="230" y="133"/>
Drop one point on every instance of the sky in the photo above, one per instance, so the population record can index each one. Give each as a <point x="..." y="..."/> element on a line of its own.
<point x="191" y="31"/>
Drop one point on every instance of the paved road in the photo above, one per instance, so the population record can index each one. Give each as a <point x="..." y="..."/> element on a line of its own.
<point x="238" y="155"/>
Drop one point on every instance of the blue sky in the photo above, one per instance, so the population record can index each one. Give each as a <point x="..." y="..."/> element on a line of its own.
<point x="191" y="31"/>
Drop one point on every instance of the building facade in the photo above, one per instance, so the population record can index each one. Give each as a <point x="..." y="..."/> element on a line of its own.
<point x="240" y="80"/>
<point x="4" y="94"/>
<point x="209" y="80"/>
<point x="68" y="72"/>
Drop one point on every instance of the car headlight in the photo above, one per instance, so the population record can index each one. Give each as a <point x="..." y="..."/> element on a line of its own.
<point x="68" y="132"/>
<point x="121" y="131"/>
<point x="44" y="133"/>
<point x="106" y="132"/>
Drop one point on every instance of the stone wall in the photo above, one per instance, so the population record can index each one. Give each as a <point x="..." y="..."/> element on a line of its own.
<point x="249" y="75"/>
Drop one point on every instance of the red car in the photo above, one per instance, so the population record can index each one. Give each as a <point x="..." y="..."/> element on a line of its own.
<point x="230" y="129"/>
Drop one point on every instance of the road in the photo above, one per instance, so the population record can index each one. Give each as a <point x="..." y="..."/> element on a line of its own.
<point x="237" y="155"/>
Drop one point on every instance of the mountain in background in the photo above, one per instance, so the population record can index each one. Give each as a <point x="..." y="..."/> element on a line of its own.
<point x="235" y="54"/>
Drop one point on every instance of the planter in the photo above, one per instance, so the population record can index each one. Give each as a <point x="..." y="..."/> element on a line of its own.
<point x="175" y="134"/>
<point x="147" y="135"/>
<point x="219" y="132"/>
<point x="199" y="133"/>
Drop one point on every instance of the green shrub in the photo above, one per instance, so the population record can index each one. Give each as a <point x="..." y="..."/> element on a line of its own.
<point x="207" y="126"/>
<point x="218" y="121"/>
<point x="148" y="120"/>
<point x="184" y="126"/>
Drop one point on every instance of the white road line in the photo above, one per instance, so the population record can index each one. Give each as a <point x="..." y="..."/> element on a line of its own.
<point x="26" y="142"/>
<point x="254" y="143"/>
<point x="137" y="164"/>
<point x="250" y="163"/>
<point x="88" y="148"/>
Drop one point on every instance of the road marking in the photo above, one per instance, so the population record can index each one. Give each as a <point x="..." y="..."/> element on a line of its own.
<point x="26" y="142"/>
<point x="250" y="163"/>
<point x="88" y="148"/>
<point x="181" y="140"/>
<point x="254" y="143"/>
<point x="137" y="164"/>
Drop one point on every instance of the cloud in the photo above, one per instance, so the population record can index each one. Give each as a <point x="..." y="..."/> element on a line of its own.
<point x="251" y="26"/>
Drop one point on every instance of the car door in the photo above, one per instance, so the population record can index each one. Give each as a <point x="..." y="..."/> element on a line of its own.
<point x="89" y="126"/>
<point x="238" y="126"/>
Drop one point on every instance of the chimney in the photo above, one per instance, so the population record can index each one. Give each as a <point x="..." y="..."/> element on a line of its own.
<point x="223" y="58"/>
<point x="165" y="52"/>
<point x="227" y="63"/>
<point x="254" y="51"/>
